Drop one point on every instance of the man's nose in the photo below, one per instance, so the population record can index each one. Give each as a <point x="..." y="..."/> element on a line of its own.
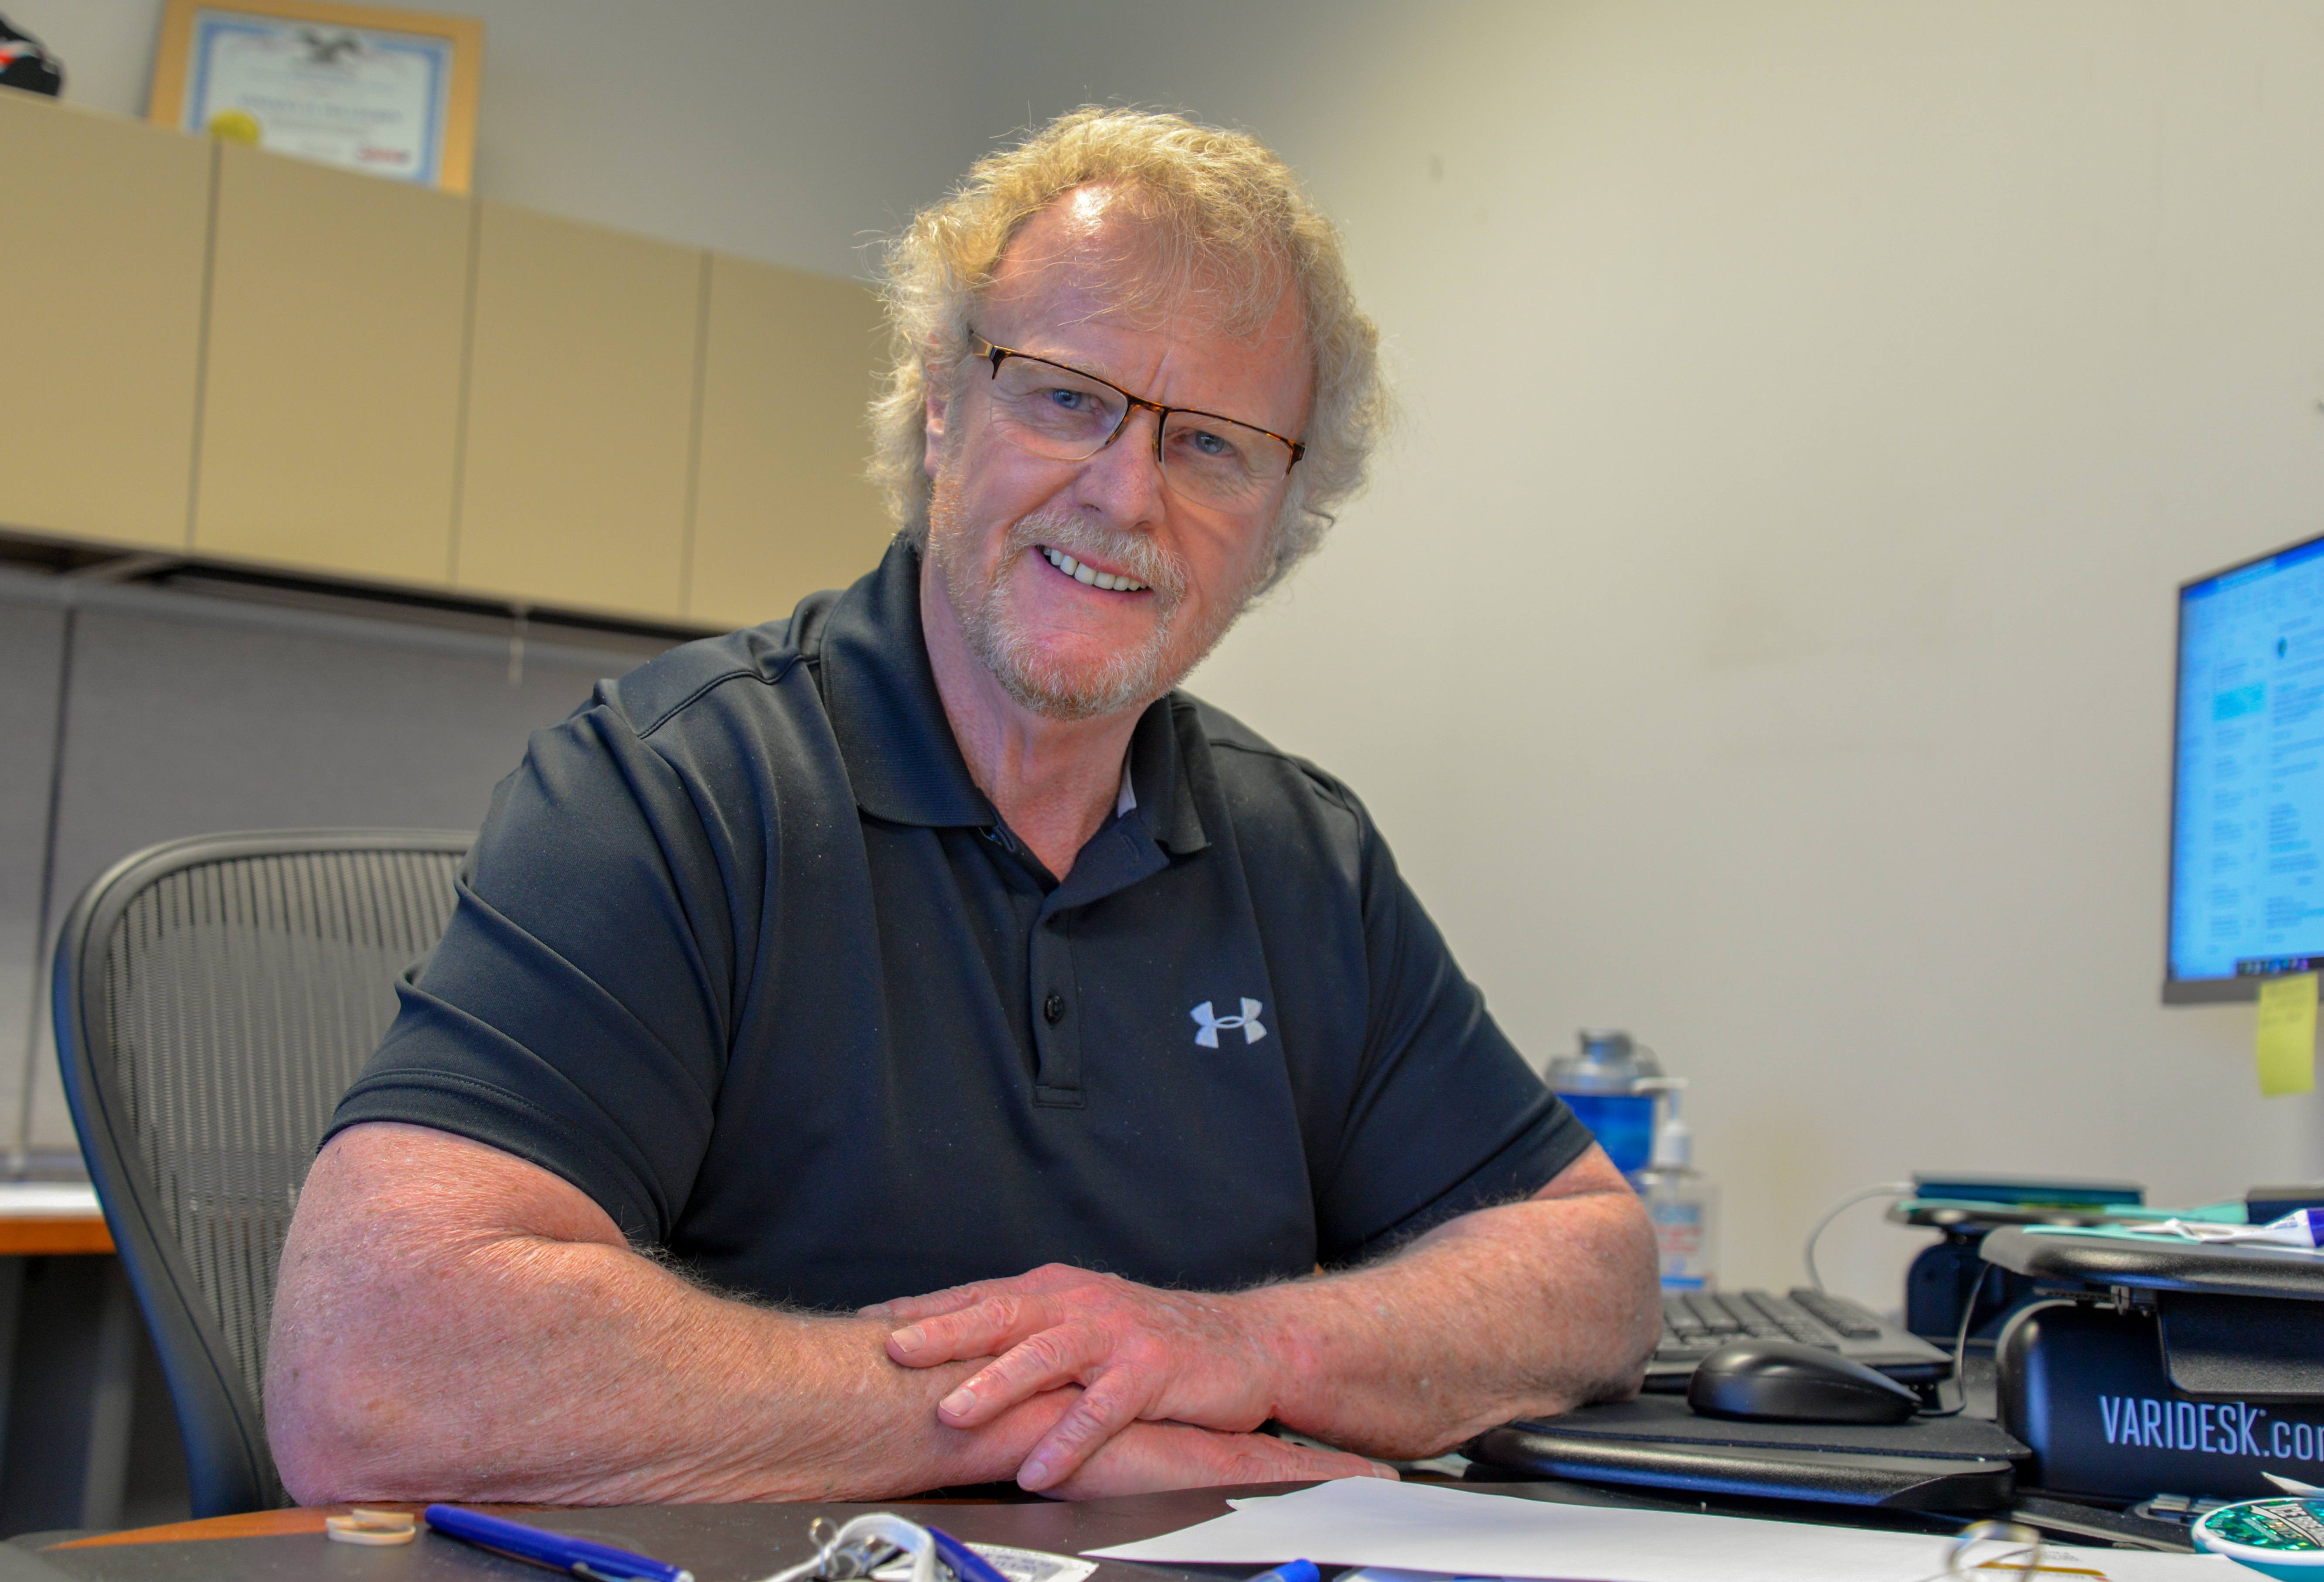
<point x="1125" y="478"/>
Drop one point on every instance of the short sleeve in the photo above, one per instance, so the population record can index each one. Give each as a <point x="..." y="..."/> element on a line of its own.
<point x="1444" y="1117"/>
<point x="574" y="1014"/>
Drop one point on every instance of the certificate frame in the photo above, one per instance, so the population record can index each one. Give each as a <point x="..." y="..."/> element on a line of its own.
<point x="454" y="46"/>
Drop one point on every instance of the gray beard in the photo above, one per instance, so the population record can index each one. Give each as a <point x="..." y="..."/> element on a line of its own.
<point x="1035" y="680"/>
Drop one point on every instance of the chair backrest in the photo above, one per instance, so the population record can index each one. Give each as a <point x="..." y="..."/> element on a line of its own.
<point x="214" y="998"/>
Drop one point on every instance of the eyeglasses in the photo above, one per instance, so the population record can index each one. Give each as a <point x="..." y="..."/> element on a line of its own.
<point x="2024" y="1560"/>
<point x="1067" y="415"/>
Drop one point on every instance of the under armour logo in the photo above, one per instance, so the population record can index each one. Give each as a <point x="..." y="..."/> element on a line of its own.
<point x="1208" y="1022"/>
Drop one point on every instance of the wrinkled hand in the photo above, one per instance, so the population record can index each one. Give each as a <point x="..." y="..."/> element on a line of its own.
<point x="1149" y="1457"/>
<point x="1137" y="1352"/>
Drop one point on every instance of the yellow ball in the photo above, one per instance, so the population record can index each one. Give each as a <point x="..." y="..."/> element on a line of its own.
<point x="236" y="126"/>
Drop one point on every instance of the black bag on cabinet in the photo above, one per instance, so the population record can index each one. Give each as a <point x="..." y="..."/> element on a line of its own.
<point x="25" y="64"/>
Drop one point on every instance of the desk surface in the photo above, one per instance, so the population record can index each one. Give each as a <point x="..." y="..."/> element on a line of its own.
<point x="718" y="1543"/>
<point x="40" y="1218"/>
<point x="736" y="1543"/>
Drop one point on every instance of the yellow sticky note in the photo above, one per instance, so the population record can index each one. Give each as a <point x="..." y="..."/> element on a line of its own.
<point x="2286" y="1043"/>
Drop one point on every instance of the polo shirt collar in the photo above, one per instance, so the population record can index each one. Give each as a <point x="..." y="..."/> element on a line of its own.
<point x="902" y="759"/>
<point x="1167" y="752"/>
<point x="882" y="698"/>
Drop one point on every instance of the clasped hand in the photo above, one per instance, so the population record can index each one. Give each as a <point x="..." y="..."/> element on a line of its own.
<point x="1138" y="1354"/>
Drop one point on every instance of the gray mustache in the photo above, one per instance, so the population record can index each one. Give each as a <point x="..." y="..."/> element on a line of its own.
<point x="1138" y="556"/>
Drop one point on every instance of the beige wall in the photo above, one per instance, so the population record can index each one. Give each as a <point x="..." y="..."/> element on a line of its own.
<point x="1761" y="634"/>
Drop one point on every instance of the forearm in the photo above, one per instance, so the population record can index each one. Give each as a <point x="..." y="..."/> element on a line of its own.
<point x="480" y="1358"/>
<point x="580" y="1374"/>
<point x="1530" y="1308"/>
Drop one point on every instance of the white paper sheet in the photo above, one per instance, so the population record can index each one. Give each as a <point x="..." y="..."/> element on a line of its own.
<point x="1421" y="1527"/>
<point x="1018" y="1564"/>
<point x="33" y="1199"/>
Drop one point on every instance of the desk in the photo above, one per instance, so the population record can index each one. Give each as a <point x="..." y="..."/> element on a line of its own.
<point x="44" y="1218"/>
<point x="736" y="1543"/>
<point x="718" y="1543"/>
<point x="70" y="1348"/>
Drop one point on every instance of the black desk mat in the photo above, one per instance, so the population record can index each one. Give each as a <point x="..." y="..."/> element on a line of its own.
<point x="1668" y="1418"/>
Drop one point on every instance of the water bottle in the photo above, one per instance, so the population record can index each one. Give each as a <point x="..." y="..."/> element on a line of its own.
<point x="1599" y="1083"/>
<point x="1682" y="1202"/>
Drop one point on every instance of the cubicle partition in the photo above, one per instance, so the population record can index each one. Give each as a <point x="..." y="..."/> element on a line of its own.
<point x="136" y="714"/>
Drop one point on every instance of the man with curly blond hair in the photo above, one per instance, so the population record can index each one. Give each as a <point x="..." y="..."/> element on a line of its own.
<point x="913" y="1044"/>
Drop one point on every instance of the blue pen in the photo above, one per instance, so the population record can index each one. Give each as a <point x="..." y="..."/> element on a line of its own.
<point x="578" y="1556"/>
<point x="1290" y="1571"/>
<point x="971" y="1567"/>
<point x="2302" y="1228"/>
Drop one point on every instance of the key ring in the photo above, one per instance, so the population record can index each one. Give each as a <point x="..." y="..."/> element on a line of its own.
<point x="846" y="1553"/>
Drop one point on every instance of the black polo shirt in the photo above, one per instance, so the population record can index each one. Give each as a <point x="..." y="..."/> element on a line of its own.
<point x="743" y="954"/>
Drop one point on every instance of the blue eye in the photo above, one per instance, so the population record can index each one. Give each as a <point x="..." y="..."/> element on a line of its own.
<point x="1207" y="445"/>
<point x="1071" y="400"/>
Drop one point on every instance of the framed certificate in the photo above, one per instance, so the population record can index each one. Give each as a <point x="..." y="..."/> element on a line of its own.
<point x="392" y="93"/>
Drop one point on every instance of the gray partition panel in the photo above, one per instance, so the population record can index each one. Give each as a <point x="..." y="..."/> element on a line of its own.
<point x="31" y="641"/>
<point x="188" y="715"/>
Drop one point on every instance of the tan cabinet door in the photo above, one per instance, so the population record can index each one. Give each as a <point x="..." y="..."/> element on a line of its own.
<point x="781" y="506"/>
<point x="106" y="224"/>
<point x="581" y="404"/>
<point x="331" y="395"/>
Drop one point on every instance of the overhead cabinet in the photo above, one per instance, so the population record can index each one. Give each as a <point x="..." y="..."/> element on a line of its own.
<point x="331" y="395"/>
<point x="580" y="414"/>
<point x="104" y="223"/>
<point x="227" y="353"/>
<point x="781" y="507"/>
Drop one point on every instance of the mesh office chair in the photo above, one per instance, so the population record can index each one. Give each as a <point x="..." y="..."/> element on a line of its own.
<point x="214" y="997"/>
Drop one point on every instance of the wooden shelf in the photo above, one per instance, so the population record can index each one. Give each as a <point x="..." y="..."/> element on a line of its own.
<point x="39" y="1235"/>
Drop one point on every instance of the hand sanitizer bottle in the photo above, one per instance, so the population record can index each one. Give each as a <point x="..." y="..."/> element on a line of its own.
<point x="1680" y="1200"/>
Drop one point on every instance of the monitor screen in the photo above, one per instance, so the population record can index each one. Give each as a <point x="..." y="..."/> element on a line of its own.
<point x="2247" y="798"/>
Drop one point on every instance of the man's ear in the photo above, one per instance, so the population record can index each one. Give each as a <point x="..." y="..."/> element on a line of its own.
<point x="936" y="400"/>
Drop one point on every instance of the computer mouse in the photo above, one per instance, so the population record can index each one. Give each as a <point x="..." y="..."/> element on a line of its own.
<point x="1782" y="1381"/>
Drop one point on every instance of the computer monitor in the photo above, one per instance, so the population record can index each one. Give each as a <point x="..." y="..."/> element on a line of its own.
<point x="2248" y="778"/>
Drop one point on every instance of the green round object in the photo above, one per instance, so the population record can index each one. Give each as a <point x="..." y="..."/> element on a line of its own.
<point x="2282" y="1537"/>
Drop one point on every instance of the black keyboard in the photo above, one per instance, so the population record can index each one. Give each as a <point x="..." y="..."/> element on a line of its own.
<point x="1696" y="1323"/>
